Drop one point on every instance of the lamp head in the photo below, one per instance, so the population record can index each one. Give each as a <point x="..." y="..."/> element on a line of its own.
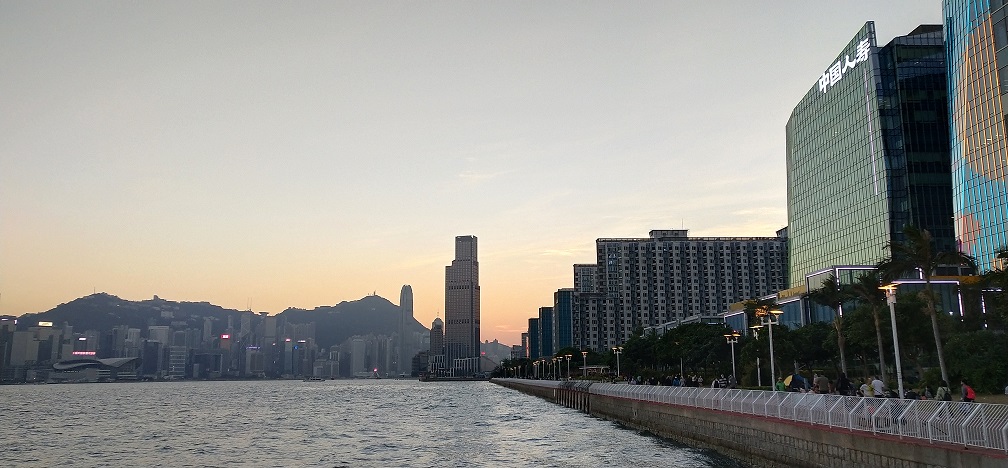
<point x="776" y="312"/>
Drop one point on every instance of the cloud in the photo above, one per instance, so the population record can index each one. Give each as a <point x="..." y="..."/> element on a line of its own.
<point x="477" y="176"/>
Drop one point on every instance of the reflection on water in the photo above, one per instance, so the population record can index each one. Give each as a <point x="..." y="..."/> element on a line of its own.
<point x="329" y="423"/>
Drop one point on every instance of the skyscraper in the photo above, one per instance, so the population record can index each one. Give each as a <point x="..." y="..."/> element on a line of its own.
<point x="403" y="364"/>
<point x="867" y="154"/>
<point x="462" y="308"/>
<point x="546" y="331"/>
<point x="975" y="37"/>
<point x="435" y="357"/>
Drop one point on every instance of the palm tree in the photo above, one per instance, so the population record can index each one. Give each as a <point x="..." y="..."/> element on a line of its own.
<point x="866" y="289"/>
<point x="918" y="253"/>
<point x="831" y="295"/>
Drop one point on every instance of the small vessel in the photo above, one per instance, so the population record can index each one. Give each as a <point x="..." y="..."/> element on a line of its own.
<point x="313" y="379"/>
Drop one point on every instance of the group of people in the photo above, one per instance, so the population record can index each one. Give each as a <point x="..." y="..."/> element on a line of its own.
<point x="692" y="380"/>
<point x="870" y="387"/>
<point x="819" y="383"/>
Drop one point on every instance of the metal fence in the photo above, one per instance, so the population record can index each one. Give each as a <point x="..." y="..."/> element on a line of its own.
<point x="969" y="424"/>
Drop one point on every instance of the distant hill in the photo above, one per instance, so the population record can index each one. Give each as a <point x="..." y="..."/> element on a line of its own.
<point x="371" y="314"/>
<point x="333" y="324"/>
<point x="103" y="311"/>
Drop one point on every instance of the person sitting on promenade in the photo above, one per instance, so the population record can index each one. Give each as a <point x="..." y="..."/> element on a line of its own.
<point x="944" y="393"/>
<point x="797" y="383"/>
<point x="911" y="395"/>
<point x="822" y="383"/>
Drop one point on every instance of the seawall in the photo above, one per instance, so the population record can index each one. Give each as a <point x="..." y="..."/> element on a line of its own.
<point x="758" y="440"/>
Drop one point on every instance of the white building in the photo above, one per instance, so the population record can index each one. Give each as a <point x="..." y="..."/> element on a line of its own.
<point x="670" y="277"/>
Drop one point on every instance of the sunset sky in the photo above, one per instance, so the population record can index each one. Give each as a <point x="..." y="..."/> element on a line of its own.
<point x="297" y="154"/>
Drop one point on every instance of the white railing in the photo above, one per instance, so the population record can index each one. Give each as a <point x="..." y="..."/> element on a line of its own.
<point x="969" y="424"/>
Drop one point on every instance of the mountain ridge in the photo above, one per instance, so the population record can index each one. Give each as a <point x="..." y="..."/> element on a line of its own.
<point x="371" y="314"/>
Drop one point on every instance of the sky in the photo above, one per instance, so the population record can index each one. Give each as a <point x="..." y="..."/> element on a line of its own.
<point x="268" y="155"/>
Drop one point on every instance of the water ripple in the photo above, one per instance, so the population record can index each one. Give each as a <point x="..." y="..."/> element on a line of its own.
<point x="330" y="424"/>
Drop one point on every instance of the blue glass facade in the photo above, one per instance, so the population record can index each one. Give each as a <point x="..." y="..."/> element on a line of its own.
<point x="563" y="313"/>
<point x="535" y="350"/>
<point x="976" y="41"/>
<point x="546" y="331"/>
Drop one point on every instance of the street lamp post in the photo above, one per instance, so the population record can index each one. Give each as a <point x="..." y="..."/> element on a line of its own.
<point x="568" y="356"/>
<point x="732" y="339"/>
<point x="556" y="368"/>
<point x="584" y="363"/>
<point x="618" y="350"/>
<point x="890" y="292"/>
<point x="769" y="318"/>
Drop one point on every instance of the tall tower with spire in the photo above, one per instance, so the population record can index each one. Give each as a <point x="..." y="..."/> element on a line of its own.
<point x="405" y="313"/>
<point x="462" y="309"/>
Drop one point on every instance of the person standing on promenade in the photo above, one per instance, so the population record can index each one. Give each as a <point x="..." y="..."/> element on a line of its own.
<point x="968" y="395"/>
<point x="843" y="385"/>
<point x="865" y="389"/>
<point x="878" y="388"/>
<point x="779" y="386"/>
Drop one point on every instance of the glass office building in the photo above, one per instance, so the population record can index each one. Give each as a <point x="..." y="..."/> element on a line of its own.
<point x="976" y="40"/>
<point x="867" y="154"/>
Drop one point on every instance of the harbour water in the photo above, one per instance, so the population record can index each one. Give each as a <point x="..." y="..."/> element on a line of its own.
<point x="348" y="423"/>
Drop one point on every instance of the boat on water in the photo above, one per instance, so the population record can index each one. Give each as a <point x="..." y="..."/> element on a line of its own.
<point x="313" y="379"/>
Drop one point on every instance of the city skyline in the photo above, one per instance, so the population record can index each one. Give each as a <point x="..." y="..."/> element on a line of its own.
<point x="304" y="155"/>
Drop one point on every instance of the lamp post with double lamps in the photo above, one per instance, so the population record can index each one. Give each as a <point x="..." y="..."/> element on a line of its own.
<point x="769" y="318"/>
<point x="732" y="339"/>
<point x="890" y="294"/>
<point x="568" y="356"/>
<point x="618" y="350"/>
<point x="584" y="364"/>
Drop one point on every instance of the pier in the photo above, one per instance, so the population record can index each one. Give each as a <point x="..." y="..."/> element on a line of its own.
<point x="764" y="428"/>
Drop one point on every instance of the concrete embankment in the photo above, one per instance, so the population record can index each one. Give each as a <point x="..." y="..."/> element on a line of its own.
<point x="760" y="441"/>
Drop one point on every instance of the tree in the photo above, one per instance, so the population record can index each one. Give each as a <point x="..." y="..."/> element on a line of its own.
<point x="866" y="290"/>
<point x="995" y="285"/>
<point x="831" y="295"/>
<point x="918" y="253"/>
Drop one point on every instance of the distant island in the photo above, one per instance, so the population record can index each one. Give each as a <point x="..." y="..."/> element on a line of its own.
<point x="103" y="336"/>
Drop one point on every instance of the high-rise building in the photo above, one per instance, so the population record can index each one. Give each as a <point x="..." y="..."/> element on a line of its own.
<point x="669" y="277"/>
<point x="867" y="154"/>
<point x="976" y="34"/>
<point x="437" y="338"/>
<point x="403" y="363"/>
<point x="563" y="311"/>
<point x="462" y="306"/>
<point x="534" y="341"/>
<point x="546" y="331"/>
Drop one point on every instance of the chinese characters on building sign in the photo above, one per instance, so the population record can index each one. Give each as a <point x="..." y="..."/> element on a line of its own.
<point x="836" y="71"/>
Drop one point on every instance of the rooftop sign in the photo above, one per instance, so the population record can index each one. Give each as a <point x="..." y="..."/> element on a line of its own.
<point x="836" y="71"/>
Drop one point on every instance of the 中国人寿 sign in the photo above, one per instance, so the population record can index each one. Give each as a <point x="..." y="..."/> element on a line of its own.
<point x="836" y="71"/>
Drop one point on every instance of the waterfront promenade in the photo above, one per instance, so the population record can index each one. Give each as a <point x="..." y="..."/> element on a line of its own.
<point x="766" y="428"/>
